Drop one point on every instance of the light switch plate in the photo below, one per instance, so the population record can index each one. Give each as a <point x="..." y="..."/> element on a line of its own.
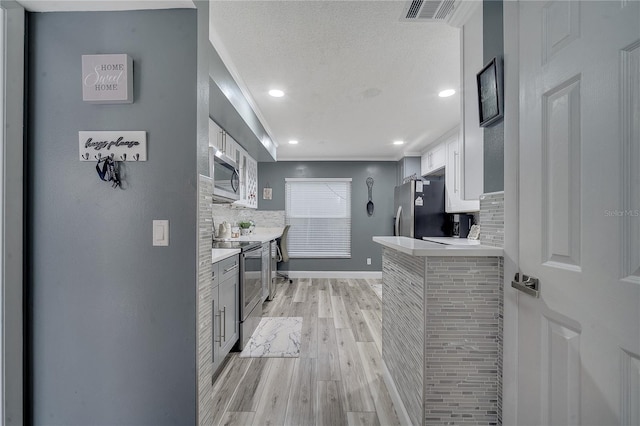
<point x="160" y="232"/>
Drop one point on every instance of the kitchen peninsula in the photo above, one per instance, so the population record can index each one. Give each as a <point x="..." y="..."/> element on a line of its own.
<point x="442" y="330"/>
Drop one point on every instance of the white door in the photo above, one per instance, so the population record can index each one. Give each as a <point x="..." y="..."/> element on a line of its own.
<point x="579" y="342"/>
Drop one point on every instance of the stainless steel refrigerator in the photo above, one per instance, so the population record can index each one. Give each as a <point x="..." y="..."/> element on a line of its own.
<point x="419" y="207"/>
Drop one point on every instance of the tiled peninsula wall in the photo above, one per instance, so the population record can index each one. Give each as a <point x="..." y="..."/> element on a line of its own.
<point x="492" y="219"/>
<point x="204" y="305"/>
<point x="442" y="336"/>
<point x="403" y="331"/>
<point x="262" y="218"/>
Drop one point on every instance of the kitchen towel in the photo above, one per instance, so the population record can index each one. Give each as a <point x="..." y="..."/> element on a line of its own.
<point x="275" y="337"/>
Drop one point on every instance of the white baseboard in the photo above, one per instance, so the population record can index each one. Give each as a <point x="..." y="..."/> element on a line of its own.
<point x="401" y="410"/>
<point x="334" y="274"/>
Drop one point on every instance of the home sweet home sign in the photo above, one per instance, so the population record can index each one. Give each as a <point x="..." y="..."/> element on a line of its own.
<point x="107" y="79"/>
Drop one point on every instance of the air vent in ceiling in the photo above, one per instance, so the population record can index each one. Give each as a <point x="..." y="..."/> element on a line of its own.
<point x="453" y="12"/>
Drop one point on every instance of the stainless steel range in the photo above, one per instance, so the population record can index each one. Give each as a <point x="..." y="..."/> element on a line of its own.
<point x="250" y="285"/>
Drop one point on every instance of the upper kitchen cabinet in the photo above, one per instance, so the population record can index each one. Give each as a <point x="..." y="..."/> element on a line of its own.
<point x="222" y="141"/>
<point x="408" y="167"/>
<point x="471" y="150"/>
<point x="434" y="158"/>
<point x="455" y="203"/>
<point x="248" y="170"/>
<point x="444" y="158"/>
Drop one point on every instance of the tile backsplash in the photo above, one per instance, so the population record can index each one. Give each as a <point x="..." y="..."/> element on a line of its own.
<point x="262" y="218"/>
<point x="492" y="219"/>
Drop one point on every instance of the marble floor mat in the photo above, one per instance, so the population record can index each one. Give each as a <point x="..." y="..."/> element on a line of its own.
<point x="275" y="337"/>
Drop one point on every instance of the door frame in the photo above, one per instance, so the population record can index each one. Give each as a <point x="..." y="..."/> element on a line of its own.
<point x="12" y="216"/>
<point x="511" y="25"/>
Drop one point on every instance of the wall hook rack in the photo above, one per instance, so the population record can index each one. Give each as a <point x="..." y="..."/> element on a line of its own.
<point x="118" y="145"/>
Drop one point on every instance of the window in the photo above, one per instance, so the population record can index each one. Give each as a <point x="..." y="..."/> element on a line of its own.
<point x="319" y="212"/>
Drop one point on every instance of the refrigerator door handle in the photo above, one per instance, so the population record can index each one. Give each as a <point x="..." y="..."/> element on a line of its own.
<point x="398" y="213"/>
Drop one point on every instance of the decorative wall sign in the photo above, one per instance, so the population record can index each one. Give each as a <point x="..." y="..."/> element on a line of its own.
<point x="120" y="145"/>
<point x="107" y="79"/>
<point x="267" y="193"/>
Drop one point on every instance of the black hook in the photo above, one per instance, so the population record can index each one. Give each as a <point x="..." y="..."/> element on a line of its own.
<point x="123" y="157"/>
<point x="98" y="157"/>
<point x="85" y="156"/>
<point x="136" y="157"/>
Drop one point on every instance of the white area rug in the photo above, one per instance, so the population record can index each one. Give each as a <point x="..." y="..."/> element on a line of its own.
<point x="275" y="337"/>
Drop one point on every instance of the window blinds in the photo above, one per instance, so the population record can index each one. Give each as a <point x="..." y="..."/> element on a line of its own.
<point x="319" y="212"/>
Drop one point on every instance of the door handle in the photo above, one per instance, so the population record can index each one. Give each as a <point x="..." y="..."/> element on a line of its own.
<point x="526" y="284"/>
<point x="398" y="213"/>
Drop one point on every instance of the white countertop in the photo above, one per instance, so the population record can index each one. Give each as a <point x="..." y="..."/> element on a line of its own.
<point x="260" y="234"/>
<point x="220" y="254"/>
<point x="420" y="248"/>
<point x="453" y="241"/>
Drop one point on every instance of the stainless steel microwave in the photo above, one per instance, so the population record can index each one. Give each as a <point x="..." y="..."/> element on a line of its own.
<point x="226" y="182"/>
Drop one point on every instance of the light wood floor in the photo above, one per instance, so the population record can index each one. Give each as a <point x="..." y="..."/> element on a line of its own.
<point x="337" y="380"/>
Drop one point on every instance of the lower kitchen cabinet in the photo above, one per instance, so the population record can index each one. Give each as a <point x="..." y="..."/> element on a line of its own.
<point x="228" y="296"/>
<point x="225" y="295"/>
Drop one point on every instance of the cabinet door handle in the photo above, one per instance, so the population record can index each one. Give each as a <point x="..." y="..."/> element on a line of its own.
<point x="213" y="329"/>
<point x="231" y="268"/>
<point x="455" y="171"/>
<point x="223" y="326"/>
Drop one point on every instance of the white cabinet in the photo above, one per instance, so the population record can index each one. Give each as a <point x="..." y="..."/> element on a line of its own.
<point x="248" y="171"/>
<point x="453" y="179"/>
<point x="472" y="135"/>
<point x="434" y="159"/>
<point x="252" y="182"/>
<point x="221" y="140"/>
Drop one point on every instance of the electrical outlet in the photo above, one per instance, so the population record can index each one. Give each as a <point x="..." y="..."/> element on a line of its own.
<point x="368" y="261"/>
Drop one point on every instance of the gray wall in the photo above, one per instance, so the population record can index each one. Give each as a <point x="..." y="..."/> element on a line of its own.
<point x="12" y="217"/>
<point x="363" y="227"/>
<point x="493" y="135"/>
<point x="111" y="318"/>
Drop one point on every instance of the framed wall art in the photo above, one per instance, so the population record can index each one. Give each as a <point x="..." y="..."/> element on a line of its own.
<point x="490" y="97"/>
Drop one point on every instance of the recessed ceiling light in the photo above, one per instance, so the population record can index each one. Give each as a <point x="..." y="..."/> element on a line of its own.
<point x="293" y="142"/>
<point x="276" y="93"/>
<point x="446" y="93"/>
<point x="398" y="142"/>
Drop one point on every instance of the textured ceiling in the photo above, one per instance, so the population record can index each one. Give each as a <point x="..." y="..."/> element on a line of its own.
<point x="356" y="77"/>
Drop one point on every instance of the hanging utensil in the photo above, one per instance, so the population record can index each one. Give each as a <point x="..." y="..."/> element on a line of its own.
<point x="370" y="203"/>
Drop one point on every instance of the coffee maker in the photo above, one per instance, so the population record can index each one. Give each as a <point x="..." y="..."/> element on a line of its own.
<point x="461" y="224"/>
